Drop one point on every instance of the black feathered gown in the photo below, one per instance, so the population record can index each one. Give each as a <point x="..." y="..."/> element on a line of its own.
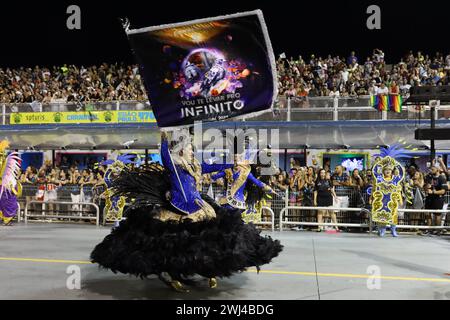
<point x="142" y="245"/>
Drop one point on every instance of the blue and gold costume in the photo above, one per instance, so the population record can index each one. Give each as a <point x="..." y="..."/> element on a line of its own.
<point x="186" y="180"/>
<point x="387" y="190"/>
<point x="236" y="182"/>
<point x="174" y="231"/>
<point x="114" y="205"/>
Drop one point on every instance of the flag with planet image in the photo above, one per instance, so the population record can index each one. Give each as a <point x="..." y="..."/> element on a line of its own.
<point x="207" y="70"/>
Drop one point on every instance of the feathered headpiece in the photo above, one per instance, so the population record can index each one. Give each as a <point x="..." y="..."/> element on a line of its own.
<point x="180" y="140"/>
<point x="397" y="150"/>
<point x="4" y="144"/>
<point x="124" y="158"/>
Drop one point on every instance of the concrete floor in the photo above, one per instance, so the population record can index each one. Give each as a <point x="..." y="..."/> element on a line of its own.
<point x="312" y="266"/>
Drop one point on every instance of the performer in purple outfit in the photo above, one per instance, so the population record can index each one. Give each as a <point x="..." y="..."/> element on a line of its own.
<point x="10" y="187"/>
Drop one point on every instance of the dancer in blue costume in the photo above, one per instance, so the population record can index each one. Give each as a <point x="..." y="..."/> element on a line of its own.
<point x="388" y="190"/>
<point x="174" y="231"/>
<point x="237" y="180"/>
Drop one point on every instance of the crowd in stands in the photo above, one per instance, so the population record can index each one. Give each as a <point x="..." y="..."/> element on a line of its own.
<point x="313" y="76"/>
<point x="351" y="76"/>
<point x="70" y="83"/>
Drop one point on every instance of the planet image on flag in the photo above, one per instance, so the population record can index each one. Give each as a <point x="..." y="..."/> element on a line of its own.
<point x="206" y="72"/>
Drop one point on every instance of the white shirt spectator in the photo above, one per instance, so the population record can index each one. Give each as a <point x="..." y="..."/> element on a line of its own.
<point x="345" y="74"/>
<point x="373" y="90"/>
<point x="334" y="94"/>
<point x="379" y="56"/>
<point x="383" y="91"/>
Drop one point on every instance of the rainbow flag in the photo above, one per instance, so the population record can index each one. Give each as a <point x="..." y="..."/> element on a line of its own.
<point x="395" y="103"/>
<point x="387" y="103"/>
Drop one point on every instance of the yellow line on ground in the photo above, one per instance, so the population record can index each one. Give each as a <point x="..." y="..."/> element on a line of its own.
<point x="279" y="272"/>
<point x="349" y="275"/>
<point x="45" y="260"/>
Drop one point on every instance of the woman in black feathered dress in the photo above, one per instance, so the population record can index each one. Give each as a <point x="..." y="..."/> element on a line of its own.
<point x="173" y="231"/>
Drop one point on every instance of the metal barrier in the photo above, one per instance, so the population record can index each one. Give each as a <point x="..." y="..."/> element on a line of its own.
<point x="272" y="222"/>
<point x="57" y="216"/>
<point x="361" y="225"/>
<point x="283" y="222"/>
<point x="19" y="211"/>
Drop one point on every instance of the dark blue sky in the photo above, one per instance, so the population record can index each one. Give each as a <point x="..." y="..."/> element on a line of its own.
<point x="36" y="33"/>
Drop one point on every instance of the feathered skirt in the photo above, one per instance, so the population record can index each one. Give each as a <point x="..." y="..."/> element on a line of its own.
<point x="143" y="245"/>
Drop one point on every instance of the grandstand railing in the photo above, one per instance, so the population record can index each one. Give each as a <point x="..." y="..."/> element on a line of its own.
<point x="285" y="109"/>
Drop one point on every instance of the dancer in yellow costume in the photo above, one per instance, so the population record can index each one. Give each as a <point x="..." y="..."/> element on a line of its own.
<point x="386" y="195"/>
<point x="114" y="205"/>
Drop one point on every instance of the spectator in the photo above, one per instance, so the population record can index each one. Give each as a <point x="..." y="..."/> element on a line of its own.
<point x="373" y="89"/>
<point x="394" y="88"/>
<point x="296" y="183"/>
<point x="435" y="189"/>
<point x="308" y="188"/>
<point x="445" y="171"/>
<point x="41" y="182"/>
<point x="75" y="177"/>
<point x="368" y="179"/>
<point x="41" y="177"/>
<point x="335" y="93"/>
<point x="62" y="180"/>
<point x="418" y="198"/>
<point x="30" y="175"/>
<point x="352" y="58"/>
<point x="64" y="165"/>
<point x="383" y="90"/>
<point x="340" y="178"/>
<point x="355" y="180"/>
<point x="411" y="171"/>
<point x="280" y="182"/>
<point x="87" y="178"/>
<point x="323" y="197"/>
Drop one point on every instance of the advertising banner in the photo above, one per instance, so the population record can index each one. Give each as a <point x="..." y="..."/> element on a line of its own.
<point x="142" y="116"/>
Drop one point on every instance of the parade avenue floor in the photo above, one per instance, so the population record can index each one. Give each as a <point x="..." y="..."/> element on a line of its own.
<point x="39" y="261"/>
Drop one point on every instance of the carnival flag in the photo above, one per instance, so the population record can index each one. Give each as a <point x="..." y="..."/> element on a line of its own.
<point x="206" y="70"/>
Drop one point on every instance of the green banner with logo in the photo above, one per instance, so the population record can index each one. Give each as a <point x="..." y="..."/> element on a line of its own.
<point x="134" y="116"/>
